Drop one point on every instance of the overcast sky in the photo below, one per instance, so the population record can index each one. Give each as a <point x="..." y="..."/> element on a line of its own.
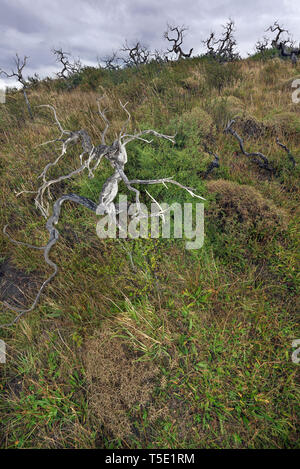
<point x="94" y="28"/>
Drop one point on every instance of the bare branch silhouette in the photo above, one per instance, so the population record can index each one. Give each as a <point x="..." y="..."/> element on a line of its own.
<point x="20" y="64"/>
<point x="223" y="49"/>
<point x="289" y="154"/>
<point x="284" y="46"/>
<point x="258" y="157"/>
<point x="175" y="35"/>
<point x="68" y="68"/>
<point x="111" y="62"/>
<point x="136" y="55"/>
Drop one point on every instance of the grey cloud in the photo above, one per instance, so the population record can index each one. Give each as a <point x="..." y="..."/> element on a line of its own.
<point x="93" y="28"/>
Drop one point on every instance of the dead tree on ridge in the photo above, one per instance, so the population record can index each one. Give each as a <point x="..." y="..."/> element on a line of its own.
<point x="279" y="31"/>
<point x="215" y="163"/>
<point x="18" y="73"/>
<point x="257" y="157"/>
<point x="111" y="62"/>
<point x="209" y="42"/>
<point x="136" y="55"/>
<point x="262" y="46"/>
<point x="223" y="49"/>
<point x="287" y="150"/>
<point x="284" y="46"/>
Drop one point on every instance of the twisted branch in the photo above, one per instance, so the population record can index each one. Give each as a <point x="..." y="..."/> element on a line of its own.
<point x="223" y="49"/>
<point x="214" y="164"/>
<point x="53" y="238"/>
<point x="117" y="156"/>
<point x="258" y="157"/>
<point x="290" y="156"/>
<point x="177" y="41"/>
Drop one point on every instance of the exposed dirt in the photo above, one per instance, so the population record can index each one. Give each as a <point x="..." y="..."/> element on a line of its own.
<point x="15" y="284"/>
<point x="118" y="384"/>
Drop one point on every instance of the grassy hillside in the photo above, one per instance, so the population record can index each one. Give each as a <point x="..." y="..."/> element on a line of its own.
<point x="185" y="348"/>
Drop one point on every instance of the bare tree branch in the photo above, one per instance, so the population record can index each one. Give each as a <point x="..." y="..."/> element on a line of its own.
<point x="111" y="62"/>
<point x="53" y="238"/>
<point x="277" y="28"/>
<point x="136" y="55"/>
<point x="117" y="156"/>
<point x="262" y="46"/>
<point x="290" y="156"/>
<point x="20" y="64"/>
<point x="223" y="49"/>
<point x="177" y="41"/>
<point x="214" y="164"/>
<point x="284" y="46"/>
<point x="68" y="68"/>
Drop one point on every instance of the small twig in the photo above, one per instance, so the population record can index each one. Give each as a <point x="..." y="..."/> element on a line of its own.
<point x="290" y="156"/>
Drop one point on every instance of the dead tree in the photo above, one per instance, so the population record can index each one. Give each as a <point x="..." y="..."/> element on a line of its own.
<point x="18" y="74"/>
<point x="34" y="79"/>
<point x="257" y="157"/>
<point x="262" y="46"/>
<point x="68" y="68"/>
<point x="284" y="46"/>
<point x="116" y="155"/>
<point x="177" y="41"/>
<point x="136" y="55"/>
<point x="111" y="62"/>
<point x="160" y="56"/>
<point x="223" y="49"/>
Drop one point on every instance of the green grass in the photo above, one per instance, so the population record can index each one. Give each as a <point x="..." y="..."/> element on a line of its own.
<point x="211" y="329"/>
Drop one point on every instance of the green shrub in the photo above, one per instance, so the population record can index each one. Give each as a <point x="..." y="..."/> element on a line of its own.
<point x="220" y="112"/>
<point x="192" y="127"/>
<point x="220" y="75"/>
<point x="287" y="123"/>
